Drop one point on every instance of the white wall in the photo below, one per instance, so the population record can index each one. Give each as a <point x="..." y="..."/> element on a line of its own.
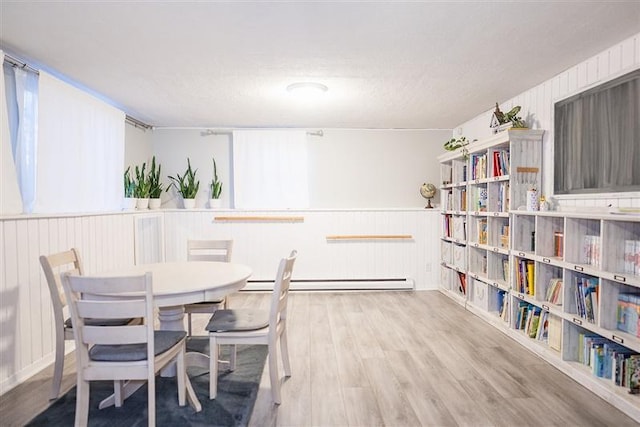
<point x="137" y="147"/>
<point x="537" y="110"/>
<point x="373" y="168"/>
<point x="347" y="168"/>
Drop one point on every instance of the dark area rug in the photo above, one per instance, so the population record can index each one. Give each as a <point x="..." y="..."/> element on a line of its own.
<point x="232" y="407"/>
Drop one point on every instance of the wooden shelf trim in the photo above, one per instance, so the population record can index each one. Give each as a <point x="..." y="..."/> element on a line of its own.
<point x="240" y="218"/>
<point x="371" y="237"/>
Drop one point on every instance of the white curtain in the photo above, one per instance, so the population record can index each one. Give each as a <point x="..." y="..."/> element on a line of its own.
<point x="80" y="151"/>
<point x="23" y="114"/>
<point x="10" y="200"/>
<point x="270" y="169"/>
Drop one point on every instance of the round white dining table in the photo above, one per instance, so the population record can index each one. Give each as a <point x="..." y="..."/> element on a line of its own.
<point x="185" y="282"/>
<point x="174" y="285"/>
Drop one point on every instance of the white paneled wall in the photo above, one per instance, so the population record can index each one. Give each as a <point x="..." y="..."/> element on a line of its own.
<point x="111" y="241"/>
<point x="260" y="244"/>
<point x="26" y="331"/>
<point x="537" y="109"/>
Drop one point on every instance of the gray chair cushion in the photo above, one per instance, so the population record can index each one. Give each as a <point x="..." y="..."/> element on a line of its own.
<point x="220" y="301"/>
<point x="163" y="341"/>
<point x="238" y="320"/>
<point x="99" y="322"/>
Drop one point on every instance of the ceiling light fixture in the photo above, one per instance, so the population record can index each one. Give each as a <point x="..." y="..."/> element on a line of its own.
<point x="307" y="88"/>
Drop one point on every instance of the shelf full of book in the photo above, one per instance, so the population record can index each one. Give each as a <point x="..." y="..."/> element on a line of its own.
<point x="564" y="285"/>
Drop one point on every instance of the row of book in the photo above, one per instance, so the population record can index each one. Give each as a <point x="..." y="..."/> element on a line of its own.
<point x="627" y="313"/>
<point x="455" y="227"/>
<point x="590" y="250"/>
<point x="454" y="202"/>
<point x="479" y="202"/>
<point x="505" y="269"/>
<point x="478" y="166"/>
<point x="500" y="162"/>
<point x="632" y="257"/>
<point x="503" y="305"/>
<point x="503" y="197"/>
<point x="553" y="294"/>
<point x="586" y="294"/>
<point x="610" y="360"/>
<point x="533" y="320"/>
<point x="525" y="276"/>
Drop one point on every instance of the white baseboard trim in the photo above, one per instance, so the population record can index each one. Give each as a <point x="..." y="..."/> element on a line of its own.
<point x="336" y="284"/>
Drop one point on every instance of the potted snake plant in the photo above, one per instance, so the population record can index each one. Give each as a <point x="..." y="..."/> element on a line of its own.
<point x="155" y="186"/>
<point x="215" y="188"/>
<point x="187" y="185"/>
<point x="141" y="190"/>
<point x="129" y="202"/>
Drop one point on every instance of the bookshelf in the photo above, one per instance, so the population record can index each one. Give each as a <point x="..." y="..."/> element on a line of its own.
<point x="562" y="284"/>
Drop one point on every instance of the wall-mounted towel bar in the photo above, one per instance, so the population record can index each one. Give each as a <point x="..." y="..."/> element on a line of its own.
<point x="240" y="218"/>
<point x="371" y="237"/>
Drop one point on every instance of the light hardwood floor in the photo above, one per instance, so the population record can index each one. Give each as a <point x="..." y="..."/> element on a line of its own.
<point x="391" y="359"/>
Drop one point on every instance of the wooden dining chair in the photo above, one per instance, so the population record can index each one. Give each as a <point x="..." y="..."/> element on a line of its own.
<point x="52" y="266"/>
<point x="246" y="326"/>
<point x="207" y="250"/>
<point x="120" y="353"/>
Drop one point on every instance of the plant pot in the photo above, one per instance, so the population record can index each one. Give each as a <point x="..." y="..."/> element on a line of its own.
<point x="128" y="203"/>
<point x="215" y="203"/>
<point x="189" y="203"/>
<point x="142" y="204"/>
<point x="155" y="203"/>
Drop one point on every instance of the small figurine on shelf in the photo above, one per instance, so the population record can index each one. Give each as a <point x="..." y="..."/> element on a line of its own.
<point x="544" y="205"/>
<point x="516" y="121"/>
<point x="501" y="121"/>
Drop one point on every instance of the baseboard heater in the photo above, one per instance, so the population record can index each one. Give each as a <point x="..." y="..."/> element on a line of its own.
<point x="336" y="284"/>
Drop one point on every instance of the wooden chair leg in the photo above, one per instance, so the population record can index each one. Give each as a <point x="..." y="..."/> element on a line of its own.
<point x="151" y="396"/>
<point x="58" y="365"/>
<point x="181" y="373"/>
<point x="273" y="373"/>
<point x="232" y="358"/>
<point x="82" y="403"/>
<point x="213" y="367"/>
<point x="284" y="349"/>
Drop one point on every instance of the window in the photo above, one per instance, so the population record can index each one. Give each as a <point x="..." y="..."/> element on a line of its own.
<point x="270" y="169"/>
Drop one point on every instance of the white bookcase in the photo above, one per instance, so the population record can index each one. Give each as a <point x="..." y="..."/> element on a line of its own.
<point x="507" y="260"/>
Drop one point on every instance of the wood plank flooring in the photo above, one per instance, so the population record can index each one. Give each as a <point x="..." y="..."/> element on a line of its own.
<point x="391" y="359"/>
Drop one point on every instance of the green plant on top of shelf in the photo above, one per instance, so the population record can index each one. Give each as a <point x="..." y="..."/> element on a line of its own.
<point x="155" y="186"/>
<point x="129" y="184"/>
<point x="453" y="144"/>
<point x="216" y="185"/>
<point x="187" y="184"/>
<point x="142" y="185"/>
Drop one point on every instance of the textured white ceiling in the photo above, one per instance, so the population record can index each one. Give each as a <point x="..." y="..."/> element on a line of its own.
<point x="387" y="64"/>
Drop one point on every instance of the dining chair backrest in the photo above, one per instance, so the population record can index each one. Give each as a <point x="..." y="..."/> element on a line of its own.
<point x="279" y="298"/>
<point x="52" y="266"/>
<point x="111" y="298"/>
<point x="209" y="250"/>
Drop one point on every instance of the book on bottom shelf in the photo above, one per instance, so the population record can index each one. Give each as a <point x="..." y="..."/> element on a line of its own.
<point x="555" y="333"/>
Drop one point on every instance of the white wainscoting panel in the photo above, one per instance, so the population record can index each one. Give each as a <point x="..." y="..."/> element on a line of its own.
<point x="26" y="320"/>
<point x="363" y="262"/>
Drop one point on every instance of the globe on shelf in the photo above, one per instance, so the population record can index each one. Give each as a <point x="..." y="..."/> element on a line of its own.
<point x="428" y="191"/>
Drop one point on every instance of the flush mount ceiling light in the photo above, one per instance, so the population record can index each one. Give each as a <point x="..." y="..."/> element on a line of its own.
<point x="308" y="88"/>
